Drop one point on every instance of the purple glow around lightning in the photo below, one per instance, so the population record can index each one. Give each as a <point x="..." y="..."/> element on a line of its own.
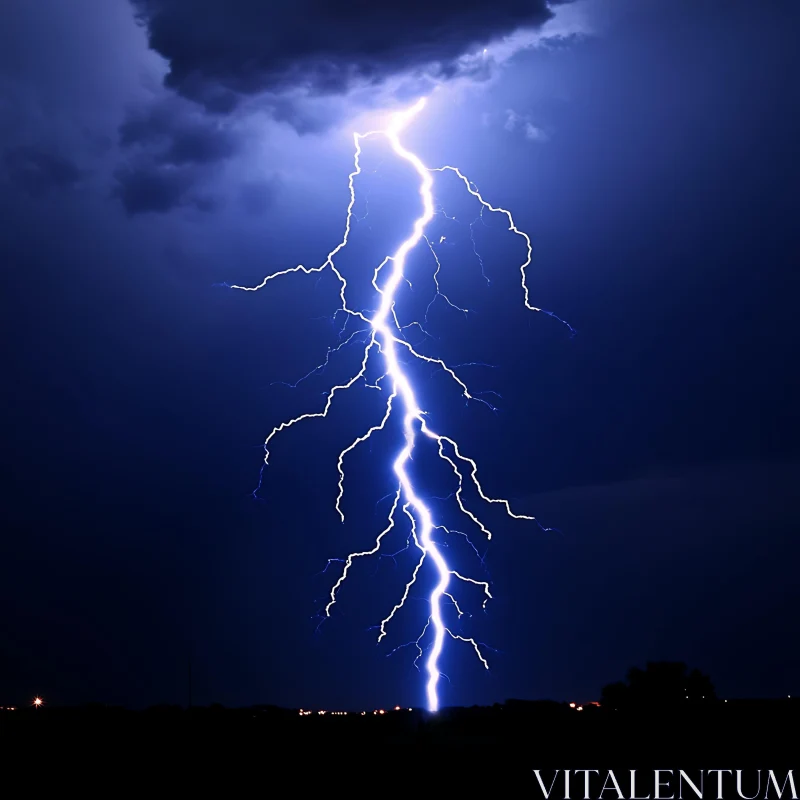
<point x="385" y="336"/>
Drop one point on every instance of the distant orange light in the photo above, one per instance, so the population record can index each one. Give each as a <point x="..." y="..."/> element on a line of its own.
<point x="37" y="701"/>
<point x="572" y="705"/>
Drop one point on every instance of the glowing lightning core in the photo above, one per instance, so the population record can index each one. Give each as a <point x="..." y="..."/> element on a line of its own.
<point x="385" y="336"/>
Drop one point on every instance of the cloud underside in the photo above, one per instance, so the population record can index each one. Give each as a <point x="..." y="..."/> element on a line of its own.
<point x="219" y="50"/>
<point x="170" y="148"/>
<point x="293" y="56"/>
<point x="37" y="171"/>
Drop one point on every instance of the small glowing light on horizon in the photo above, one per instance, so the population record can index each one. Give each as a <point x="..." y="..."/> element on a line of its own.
<point x="38" y="702"/>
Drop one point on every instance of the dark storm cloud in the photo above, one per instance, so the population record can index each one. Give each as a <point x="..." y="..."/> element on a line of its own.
<point x="219" y="47"/>
<point x="176" y="136"/>
<point x="37" y="172"/>
<point x="157" y="189"/>
<point x="173" y="148"/>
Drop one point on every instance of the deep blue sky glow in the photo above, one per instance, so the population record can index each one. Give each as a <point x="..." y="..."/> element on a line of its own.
<point x="662" y="439"/>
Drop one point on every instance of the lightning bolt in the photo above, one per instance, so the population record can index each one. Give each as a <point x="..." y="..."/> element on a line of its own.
<point x="384" y="341"/>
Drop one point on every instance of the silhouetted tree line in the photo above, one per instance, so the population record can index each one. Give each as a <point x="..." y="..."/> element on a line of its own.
<point x="666" y="683"/>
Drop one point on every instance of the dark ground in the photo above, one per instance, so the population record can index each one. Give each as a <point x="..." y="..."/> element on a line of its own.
<point x="495" y="749"/>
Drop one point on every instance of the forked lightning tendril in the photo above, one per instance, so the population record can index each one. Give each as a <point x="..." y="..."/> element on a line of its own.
<point x="384" y="341"/>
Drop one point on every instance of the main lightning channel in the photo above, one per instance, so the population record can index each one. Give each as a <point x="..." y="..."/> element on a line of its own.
<point x="384" y="336"/>
<point x="413" y="413"/>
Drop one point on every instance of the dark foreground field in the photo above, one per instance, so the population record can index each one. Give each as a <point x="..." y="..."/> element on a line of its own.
<point x="278" y="751"/>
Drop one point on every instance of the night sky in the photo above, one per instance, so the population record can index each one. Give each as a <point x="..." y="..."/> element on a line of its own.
<point x="150" y="152"/>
